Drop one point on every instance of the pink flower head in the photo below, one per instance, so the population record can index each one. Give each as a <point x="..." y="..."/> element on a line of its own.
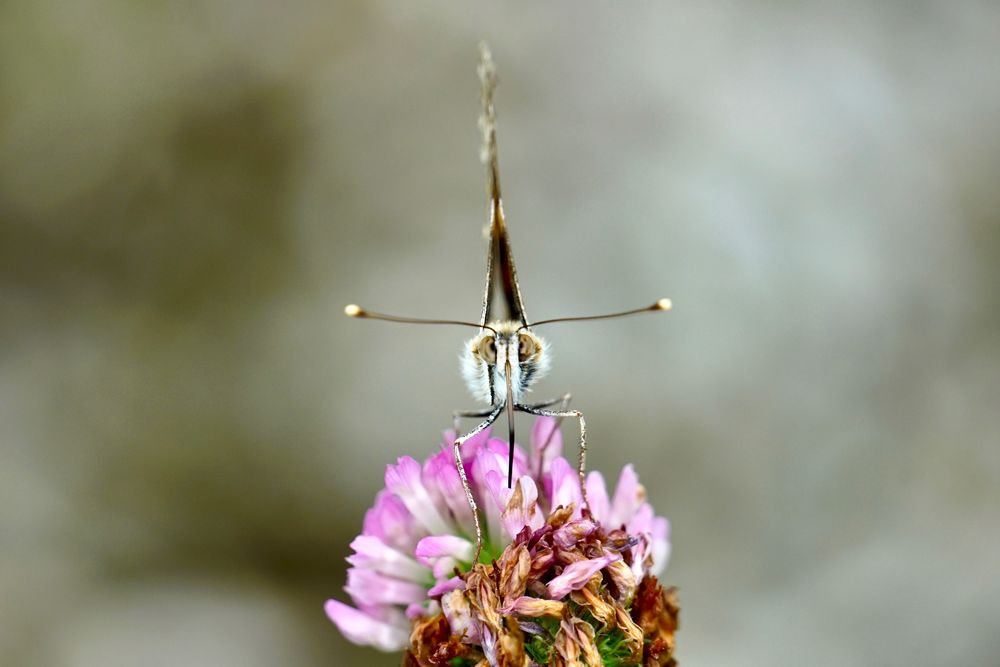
<point x="419" y="537"/>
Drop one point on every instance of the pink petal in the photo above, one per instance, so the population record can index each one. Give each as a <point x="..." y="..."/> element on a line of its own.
<point x="641" y="527"/>
<point x="572" y="533"/>
<point x="483" y="464"/>
<point x="489" y="644"/>
<point x="470" y="446"/>
<point x="541" y="459"/>
<point x="597" y="496"/>
<point x="501" y="450"/>
<point x="517" y="515"/>
<point x="661" y="545"/>
<point x="441" y="475"/>
<point x="442" y="587"/>
<point x="428" y="477"/>
<point x="430" y="549"/>
<point x="405" y="480"/>
<point x="629" y="495"/>
<point x="360" y="628"/>
<point x="641" y="522"/>
<point x="565" y="486"/>
<point x="389" y="520"/>
<point x="373" y="554"/>
<point x="377" y="589"/>
<point x="443" y="567"/>
<point x="493" y="457"/>
<point x="495" y="497"/>
<point x="576" y="575"/>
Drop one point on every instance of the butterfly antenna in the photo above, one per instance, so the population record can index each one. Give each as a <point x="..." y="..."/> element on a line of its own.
<point x="354" y="310"/>
<point x="658" y="306"/>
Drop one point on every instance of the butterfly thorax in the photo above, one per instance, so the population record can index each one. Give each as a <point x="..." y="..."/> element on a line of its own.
<point x="487" y="356"/>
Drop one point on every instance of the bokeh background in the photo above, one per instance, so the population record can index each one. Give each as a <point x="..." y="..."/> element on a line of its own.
<point x="191" y="191"/>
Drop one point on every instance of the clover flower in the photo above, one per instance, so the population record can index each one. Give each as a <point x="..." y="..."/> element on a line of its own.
<point x="557" y="583"/>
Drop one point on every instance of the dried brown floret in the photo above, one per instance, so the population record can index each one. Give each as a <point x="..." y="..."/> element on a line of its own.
<point x="656" y="613"/>
<point x="432" y="644"/>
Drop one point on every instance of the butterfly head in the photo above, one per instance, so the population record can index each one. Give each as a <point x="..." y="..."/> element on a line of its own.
<point x="505" y="345"/>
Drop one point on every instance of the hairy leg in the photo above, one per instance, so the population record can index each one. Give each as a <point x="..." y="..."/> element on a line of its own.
<point x="457" y="415"/>
<point x="459" y="441"/>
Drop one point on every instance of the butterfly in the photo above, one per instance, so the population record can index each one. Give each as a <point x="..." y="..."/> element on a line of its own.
<point x="505" y="358"/>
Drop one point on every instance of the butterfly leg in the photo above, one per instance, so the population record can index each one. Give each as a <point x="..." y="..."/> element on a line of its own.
<point x="582" y="462"/>
<point x="456" y="417"/>
<point x="459" y="441"/>
<point x="563" y="401"/>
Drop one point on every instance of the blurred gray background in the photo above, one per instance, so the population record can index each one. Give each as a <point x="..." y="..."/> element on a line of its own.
<point x="191" y="191"/>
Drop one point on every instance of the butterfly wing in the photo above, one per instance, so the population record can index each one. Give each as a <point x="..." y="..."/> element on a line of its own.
<point x="501" y="274"/>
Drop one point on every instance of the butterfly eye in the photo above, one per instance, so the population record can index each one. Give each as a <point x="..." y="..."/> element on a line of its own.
<point x="526" y="347"/>
<point x="488" y="349"/>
